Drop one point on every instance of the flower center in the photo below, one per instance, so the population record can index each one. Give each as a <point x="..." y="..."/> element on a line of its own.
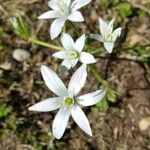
<point x="109" y="38"/>
<point x="72" y="54"/>
<point x="68" y="101"/>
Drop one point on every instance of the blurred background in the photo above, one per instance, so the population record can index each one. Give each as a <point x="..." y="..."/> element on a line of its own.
<point x="119" y="124"/>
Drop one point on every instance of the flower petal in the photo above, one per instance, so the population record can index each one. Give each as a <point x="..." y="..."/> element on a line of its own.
<point x="77" y="80"/>
<point x="87" y="58"/>
<point x="67" y="41"/>
<point x="116" y="33"/>
<point x="60" y="54"/>
<point x="104" y="28"/>
<point x="76" y="16"/>
<point x="47" y="105"/>
<point x="48" y="15"/>
<point x="79" y="44"/>
<point x="111" y="24"/>
<point x="53" y="4"/>
<point x="74" y="61"/>
<point x="53" y="82"/>
<point x="60" y="122"/>
<point x="56" y="28"/>
<point x="80" y="119"/>
<point x="80" y="3"/>
<point x="67" y="2"/>
<point x="91" y="98"/>
<point x="96" y="37"/>
<point x="67" y="64"/>
<point x="109" y="46"/>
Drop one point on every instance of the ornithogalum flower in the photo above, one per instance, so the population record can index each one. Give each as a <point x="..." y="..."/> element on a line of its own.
<point x="72" y="52"/>
<point x="67" y="100"/>
<point x="108" y="36"/>
<point x="63" y="10"/>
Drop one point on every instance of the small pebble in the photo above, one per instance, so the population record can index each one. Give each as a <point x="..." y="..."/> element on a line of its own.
<point x="6" y="66"/>
<point x="144" y="123"/>
<point x="21" y="55"/>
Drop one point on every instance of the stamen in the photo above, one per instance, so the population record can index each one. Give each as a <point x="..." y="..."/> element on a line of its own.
<point x="109" y="38"/>
<point x="72" y="54"/>
<point x="68" y="101"/>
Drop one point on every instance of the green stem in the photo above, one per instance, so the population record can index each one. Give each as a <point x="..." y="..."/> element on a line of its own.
<point x="133" y="47"/>
<point x="75" y="29"/>
<point x="64" y="28"/>
<point x="97" y="76"/>
<point x="38" y="42"/>
<point x="110" y="93"/>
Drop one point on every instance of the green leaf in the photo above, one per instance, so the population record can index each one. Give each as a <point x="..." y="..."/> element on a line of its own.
<point x="103" y="105"/>
<point x="104" y="3"/>
<point x="4" y="110"/>
<point x="125" y="9"/>
<point x="19" y="27"/>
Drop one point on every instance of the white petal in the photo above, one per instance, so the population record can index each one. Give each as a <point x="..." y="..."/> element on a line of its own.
<point x="67" y="2"/>
<point x="56" y="28"/>
<point x="80" y="119"/>
<point x="67" y="41"/>
<point x="60" y="122"/>
<point x="87" y="58"/>
<point x="116" y="33"/>
<point x="74" y="61"/>
<point x="96" y="37"/>
<point x="47" y="105"/>
<point x="49" y="15"/>
<point x="80" y="3"/>
<point x="104" y="28"/>
<point x="79" y="44"/>
<point x="60" y="54"/>
<point x="53" y="4"/>
<point x="77" y="80"/>
<point x="76" y="16"/>
<point x="67" y="64"/>
<point x="53" y="82"/>
<point x="109" y="46"/>
<point x="111" y="24"/>
<point x="91" y="98"/>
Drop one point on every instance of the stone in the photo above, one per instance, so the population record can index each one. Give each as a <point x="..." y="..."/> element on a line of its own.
<point x="21" y="55"/>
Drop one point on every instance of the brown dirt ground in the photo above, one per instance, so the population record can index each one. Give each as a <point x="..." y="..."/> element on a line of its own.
<point x="116" y="129"/>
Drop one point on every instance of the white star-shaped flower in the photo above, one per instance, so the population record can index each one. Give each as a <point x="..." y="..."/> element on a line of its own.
<point x="63" y="10"/>
<point x="67" y="100"/>
<point x="108" y="36"/>
<point x="72" y="52"/>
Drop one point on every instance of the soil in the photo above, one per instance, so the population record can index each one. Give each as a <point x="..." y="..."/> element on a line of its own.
<point x="21" y="85"/>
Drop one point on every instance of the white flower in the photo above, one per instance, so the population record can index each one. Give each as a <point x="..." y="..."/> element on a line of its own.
<point x="108" y="36"/>
<point x="67" y="100"/>
<point x="63" y="10"/>
<point x="72" y="52"/>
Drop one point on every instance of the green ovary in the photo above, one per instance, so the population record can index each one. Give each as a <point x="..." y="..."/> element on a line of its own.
<point x="72" y="54"/>
<point x="109" y="38"/>
<point x="68" y="101"/>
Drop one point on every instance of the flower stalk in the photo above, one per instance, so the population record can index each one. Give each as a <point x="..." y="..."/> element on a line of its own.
<point x="45" y="44"/>
<point x="110" y="93"/>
